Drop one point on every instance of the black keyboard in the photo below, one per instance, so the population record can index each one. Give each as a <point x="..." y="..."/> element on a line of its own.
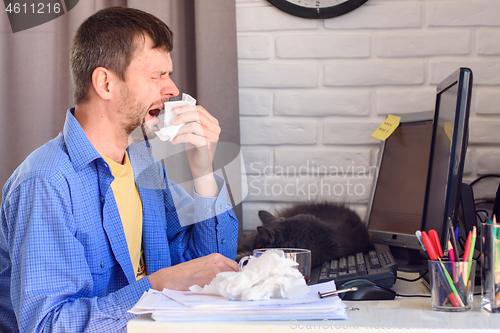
<point x="378" y="267"/>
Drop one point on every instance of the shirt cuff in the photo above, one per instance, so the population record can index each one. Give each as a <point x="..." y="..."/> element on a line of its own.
<point x="129" y="295"/>
<point x="207" y="208"/>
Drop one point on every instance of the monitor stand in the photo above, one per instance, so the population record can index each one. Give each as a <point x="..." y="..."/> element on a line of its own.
<point x="409" y="260"/>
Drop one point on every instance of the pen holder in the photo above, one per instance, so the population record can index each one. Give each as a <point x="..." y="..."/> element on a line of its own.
<point x="490" y="268"/>
<point x="452" y="284"/>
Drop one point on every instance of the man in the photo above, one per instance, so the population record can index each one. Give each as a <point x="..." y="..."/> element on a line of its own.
<point x="89" y="221"/>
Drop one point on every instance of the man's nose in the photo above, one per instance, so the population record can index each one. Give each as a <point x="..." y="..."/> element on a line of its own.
<point x="169" y="88"/>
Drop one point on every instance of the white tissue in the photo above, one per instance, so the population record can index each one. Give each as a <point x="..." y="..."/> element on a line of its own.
<point x="271" y="275"/>
<point x="169" y="131"/>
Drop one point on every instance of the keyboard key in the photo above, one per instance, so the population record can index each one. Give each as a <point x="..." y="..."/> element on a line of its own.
<point x="351" y="265"/>
<point x="360" y="264"/>
<point x="374" y="260"/>
<point x="343" y="265"/>
<point x="325" y="268"/>
<point x="334" y="266"/>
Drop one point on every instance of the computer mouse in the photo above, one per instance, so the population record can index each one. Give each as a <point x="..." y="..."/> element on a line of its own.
<point x="367" y="291"/>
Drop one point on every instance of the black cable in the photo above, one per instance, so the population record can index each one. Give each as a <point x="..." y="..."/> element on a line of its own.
<point x="426" y="296"/>
<point x="483" y="177"/>
<point x="484" y="201"/>
<point x="413" y="280"/>
<point x="485" y="214"/>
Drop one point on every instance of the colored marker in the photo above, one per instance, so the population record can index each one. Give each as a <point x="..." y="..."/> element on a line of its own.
<point x="460" y="286"/>
<point x="453" y="239"/>
<point x="418" y="233"/>
<point x="451" y="254"/>
<point x="435" y="240"/>
<point x="471" y="252"/>
<point x="429" y="246"/>
<point x="466" y="254"/>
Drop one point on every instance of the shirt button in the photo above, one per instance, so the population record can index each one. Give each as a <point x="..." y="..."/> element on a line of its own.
<point x="102" y="199"/>
<point x="105" y="165"/>
<point x="207" y="210"/>
<point x="102" y="265"/>
<point x="220" y="208"/>
<point x="223" y="240"/>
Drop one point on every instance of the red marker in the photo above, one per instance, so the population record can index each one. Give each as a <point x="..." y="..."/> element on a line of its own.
<point x="467" y="247"/>
<point x="431" y="251"/>
<point x="433" y="235"/>
<point x="453" y="299"/>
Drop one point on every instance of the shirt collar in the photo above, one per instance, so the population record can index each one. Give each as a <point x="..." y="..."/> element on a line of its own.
<point x="80" y="150"/>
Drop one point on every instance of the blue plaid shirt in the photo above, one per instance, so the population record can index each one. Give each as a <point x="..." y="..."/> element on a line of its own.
<point x="64" y="261"/>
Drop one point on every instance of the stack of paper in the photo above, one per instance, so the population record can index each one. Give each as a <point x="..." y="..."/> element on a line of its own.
<point x="170" y="305"/>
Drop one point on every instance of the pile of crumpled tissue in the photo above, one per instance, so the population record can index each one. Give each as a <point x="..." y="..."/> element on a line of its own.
<point x="271" y="275"/>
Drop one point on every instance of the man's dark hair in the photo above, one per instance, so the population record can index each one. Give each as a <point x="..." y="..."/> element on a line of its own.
<point x="108" y="39"/>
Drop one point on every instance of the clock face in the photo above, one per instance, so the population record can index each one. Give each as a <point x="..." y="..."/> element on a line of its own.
<point x="317" y="9"/>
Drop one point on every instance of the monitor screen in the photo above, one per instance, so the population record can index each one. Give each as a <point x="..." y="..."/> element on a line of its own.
<point x="420" y="170"/>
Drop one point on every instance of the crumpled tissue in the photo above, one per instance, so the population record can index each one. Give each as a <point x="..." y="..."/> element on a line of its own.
<point x="270" y="275"/>
<point x="169" y="131"/>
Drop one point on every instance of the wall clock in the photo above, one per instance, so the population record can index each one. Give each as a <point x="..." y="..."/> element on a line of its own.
<point x="317" y="9"/>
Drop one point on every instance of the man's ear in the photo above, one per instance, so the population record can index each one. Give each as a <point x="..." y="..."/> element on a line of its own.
<point x="103" y="82"/>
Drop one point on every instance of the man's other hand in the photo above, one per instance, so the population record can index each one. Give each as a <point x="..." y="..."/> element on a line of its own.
<point x="200" y="271"/>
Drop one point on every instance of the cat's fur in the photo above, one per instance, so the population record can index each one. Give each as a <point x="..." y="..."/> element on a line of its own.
<point x="329" y="230"/>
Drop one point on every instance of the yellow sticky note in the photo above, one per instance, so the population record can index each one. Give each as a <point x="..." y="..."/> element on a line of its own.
<point x="388" y="126"/>
<point x="448" y="129"/>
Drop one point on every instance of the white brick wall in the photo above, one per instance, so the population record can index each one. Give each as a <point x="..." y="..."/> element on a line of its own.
<point x="373" y="73"/>
<point x="420" y="44"/>
<point x="323" y="46"/>
<point x="312" y="92"/>
<point x="321" y="103"/>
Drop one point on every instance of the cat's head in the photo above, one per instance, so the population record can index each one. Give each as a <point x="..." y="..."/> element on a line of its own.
<point x="266" y="232"/>
<point x="280" y="231"/>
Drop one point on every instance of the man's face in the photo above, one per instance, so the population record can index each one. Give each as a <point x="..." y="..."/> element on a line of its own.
<point x="146" y="87"/>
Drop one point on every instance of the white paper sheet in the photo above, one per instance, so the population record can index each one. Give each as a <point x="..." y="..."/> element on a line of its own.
<point x="189" y="306"/>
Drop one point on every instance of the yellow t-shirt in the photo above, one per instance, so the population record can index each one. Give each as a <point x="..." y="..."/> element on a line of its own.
<point x="129" y="205"/>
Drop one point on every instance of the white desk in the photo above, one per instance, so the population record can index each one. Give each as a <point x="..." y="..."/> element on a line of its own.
<point x="401" y="314"/>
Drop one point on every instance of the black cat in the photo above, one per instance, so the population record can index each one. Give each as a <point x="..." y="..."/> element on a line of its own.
<point x="328" y="229"/>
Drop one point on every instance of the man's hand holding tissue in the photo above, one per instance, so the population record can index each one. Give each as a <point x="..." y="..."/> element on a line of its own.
<point x="200" y="134"/>
<point x="200" y="271"/>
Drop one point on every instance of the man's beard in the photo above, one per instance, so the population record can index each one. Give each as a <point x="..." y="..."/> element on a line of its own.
<point x="136" y="127"/>
<point x="130" y="109"/>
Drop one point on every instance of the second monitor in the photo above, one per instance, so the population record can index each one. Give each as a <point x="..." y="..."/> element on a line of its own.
<point x="420" y="172"/>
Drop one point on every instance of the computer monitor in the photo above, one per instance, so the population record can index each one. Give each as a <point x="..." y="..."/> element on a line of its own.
<point x="420" y="168"/>
<point x="395" y="210"/>
<point x="449" y="145"/>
